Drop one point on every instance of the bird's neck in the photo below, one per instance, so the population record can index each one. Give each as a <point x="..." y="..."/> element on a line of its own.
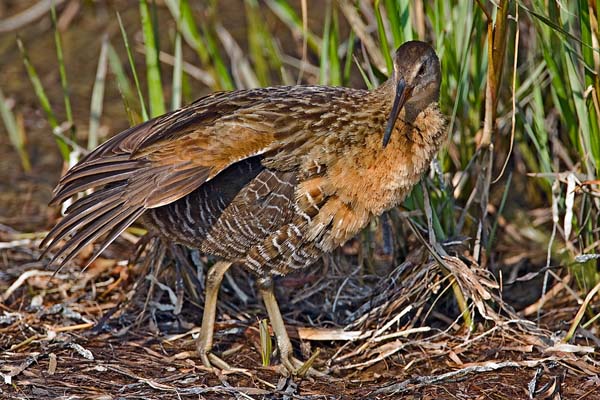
<point x="391" y="171"/>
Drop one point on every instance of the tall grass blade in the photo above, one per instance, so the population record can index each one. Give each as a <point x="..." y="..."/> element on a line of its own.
<point x="368" y="82"/>
<point x="44" y="102"/>
<point x="98" y="96"/>
<point x="348" y="58"/>
<point x="180" y="10"/>
<point x="257" y="42"/>
<point x="335" y="73"/>
<point x="591" y="80"/>
<point x="266" y="344"/>
<point x="221" y="71"/>
<point x="393" y="14"/>
<point x="155" y="92"/>
<point x="62" y="72"/>
<point x="383" y="40"/>
<point x="288" y="16"/>
<point x="177" y="65"/>
<point x="123" y="85"/>
<point x="325" y="62"/>
<point x="16" y="134"/>
<point x="133" y="69"/>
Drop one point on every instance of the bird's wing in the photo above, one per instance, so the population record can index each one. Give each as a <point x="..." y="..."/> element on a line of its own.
<point x="163" y="160"/>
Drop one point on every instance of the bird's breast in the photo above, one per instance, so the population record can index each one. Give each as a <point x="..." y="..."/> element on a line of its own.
<point x="362" y="179"/>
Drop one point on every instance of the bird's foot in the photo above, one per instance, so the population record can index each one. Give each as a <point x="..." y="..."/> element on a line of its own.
<point x="294" y="367"/>
<point x="218" y="366"/>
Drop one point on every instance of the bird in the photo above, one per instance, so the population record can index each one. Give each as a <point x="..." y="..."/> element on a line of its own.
<point x="270" y="179"/>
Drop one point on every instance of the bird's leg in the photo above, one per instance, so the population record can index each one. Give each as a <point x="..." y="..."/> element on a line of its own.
<point x="205" y="341"/>
<point x="291" y="364"/>
<point x="284" y="344"/>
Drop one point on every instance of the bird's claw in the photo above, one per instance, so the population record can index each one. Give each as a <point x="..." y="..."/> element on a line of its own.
<point x="218" y="366"/>
<point x="294" y="367"/>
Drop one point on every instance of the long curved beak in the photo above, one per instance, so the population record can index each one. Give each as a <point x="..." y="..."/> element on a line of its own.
<point x="403" y="93"/>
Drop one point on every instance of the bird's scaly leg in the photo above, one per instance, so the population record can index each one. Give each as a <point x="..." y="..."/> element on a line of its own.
<point x="283" y="341"/>
<point x="205" y="341"/>
<point x="291" y="364"/>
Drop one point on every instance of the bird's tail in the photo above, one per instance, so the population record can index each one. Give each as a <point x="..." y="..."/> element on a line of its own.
<point x="110" y="209"/>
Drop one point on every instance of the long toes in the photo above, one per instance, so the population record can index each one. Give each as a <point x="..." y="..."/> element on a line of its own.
<point x="218" y="362"/>
<point x="220" y="367"/>
<point x="307" y="370"/>
<point x="293" y="366"/>
<point x="205" y="361"/>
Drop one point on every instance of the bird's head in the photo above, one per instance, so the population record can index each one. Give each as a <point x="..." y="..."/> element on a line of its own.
<point x="415" y="81"/>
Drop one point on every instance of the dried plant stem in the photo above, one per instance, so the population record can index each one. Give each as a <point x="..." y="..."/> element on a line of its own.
<point x="438" y="252"/>
<point x="580" y="313"/>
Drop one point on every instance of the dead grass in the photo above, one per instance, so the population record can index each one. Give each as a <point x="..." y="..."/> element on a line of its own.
<point x="127" y="330"/>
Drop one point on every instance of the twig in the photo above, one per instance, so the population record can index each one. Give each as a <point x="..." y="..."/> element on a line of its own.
<point x="363" y="33"/>
<point x="21" y="280"/>
<point x="458" y="375"/>
<point x="555" y="197"/>
<point x="580" y="312"/>
<point x="31" y="14"/>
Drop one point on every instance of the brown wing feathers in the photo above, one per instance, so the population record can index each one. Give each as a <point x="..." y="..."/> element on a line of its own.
<point x="163" y="160"/>
<point x="148" y="166"/>
<point x="124" y="186"/>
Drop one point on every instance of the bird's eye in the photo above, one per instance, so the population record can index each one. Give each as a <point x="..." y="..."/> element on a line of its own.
<point x="421" y="71"/>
